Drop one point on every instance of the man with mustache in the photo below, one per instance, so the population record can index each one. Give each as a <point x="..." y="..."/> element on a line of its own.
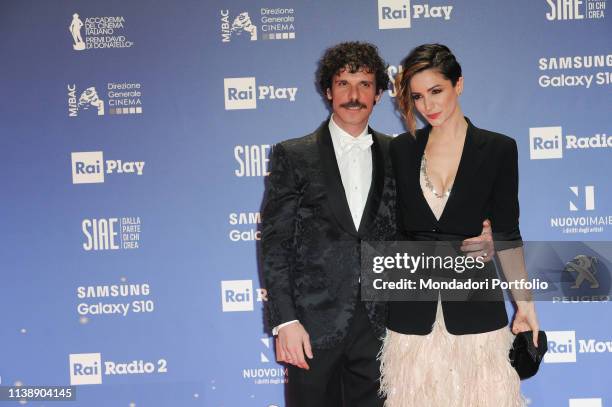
<point x="326" y="193"/>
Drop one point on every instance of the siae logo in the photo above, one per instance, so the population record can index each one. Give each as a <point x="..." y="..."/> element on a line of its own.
<point x="237" y="295"/>
<point x="243" y="93"/>
<point x="398" y="13"/>
<point x="587" y="203"/>
<point x="252" y="160"/>
<point x="564" y="10"/>
<point x="90" y="167"/>
<point x="101" y="234"/>
<point x="111" y="233"/>
<point x="545" y="143"/>
<point x="559" y="10"/>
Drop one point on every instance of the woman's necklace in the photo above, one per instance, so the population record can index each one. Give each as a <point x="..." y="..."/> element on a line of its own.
<point x="428" y="183"/>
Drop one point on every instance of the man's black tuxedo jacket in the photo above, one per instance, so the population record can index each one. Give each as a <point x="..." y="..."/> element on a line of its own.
<point x="311" y="250"/>
<point x="485" y="187"/>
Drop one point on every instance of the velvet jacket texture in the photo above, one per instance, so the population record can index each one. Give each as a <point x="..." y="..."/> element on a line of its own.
<point x="310" y="246"/>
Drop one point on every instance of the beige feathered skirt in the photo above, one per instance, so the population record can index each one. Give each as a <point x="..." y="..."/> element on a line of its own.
<point x="445" y="370"/>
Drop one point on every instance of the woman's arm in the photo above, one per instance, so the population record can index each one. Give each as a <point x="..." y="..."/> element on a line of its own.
<point x="508" y="241"/>
<point x="512" y="262"/>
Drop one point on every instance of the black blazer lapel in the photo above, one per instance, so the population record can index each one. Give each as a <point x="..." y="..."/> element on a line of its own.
<point x="422" y="136"/>
<point x="376" y="186"/>
<point x="335" y="190"/>
<point x="470" y="161"/>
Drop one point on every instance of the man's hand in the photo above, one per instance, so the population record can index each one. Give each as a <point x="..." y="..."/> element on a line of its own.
<point x="292" y="342"/>
<point x="480" y="245"/>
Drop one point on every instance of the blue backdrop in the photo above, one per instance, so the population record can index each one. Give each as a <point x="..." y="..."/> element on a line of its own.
<point x="133" y="151"/>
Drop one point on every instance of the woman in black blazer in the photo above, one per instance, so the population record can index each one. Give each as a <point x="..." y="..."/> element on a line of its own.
<point x="450" y="177"/>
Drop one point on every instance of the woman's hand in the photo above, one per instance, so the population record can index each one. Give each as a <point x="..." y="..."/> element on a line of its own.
<point x="526" y="320"/>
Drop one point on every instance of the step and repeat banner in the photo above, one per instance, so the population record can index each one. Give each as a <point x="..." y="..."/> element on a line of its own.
<point x="134" y="148"/>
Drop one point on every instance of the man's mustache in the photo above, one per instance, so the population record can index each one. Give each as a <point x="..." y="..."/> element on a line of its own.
<point x="353" y="103"/>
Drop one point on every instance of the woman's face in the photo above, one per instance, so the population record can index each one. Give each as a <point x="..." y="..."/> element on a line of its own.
<point x="434" y="96"/>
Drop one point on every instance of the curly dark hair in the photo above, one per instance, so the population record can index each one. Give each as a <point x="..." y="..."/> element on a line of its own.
<point x="353" y="56"/>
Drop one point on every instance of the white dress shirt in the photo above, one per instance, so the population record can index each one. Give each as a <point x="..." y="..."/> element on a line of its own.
<point x="354" y="158"/>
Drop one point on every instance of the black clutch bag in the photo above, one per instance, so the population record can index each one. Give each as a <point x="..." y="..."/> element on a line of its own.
<point x="524" y="356"/>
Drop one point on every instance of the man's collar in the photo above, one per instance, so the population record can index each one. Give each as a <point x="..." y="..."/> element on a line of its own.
<point x="343" y="142"/>
<point x="338" y="133"/>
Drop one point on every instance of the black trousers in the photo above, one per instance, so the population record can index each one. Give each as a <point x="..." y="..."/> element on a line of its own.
<point x="346" y="375"/>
